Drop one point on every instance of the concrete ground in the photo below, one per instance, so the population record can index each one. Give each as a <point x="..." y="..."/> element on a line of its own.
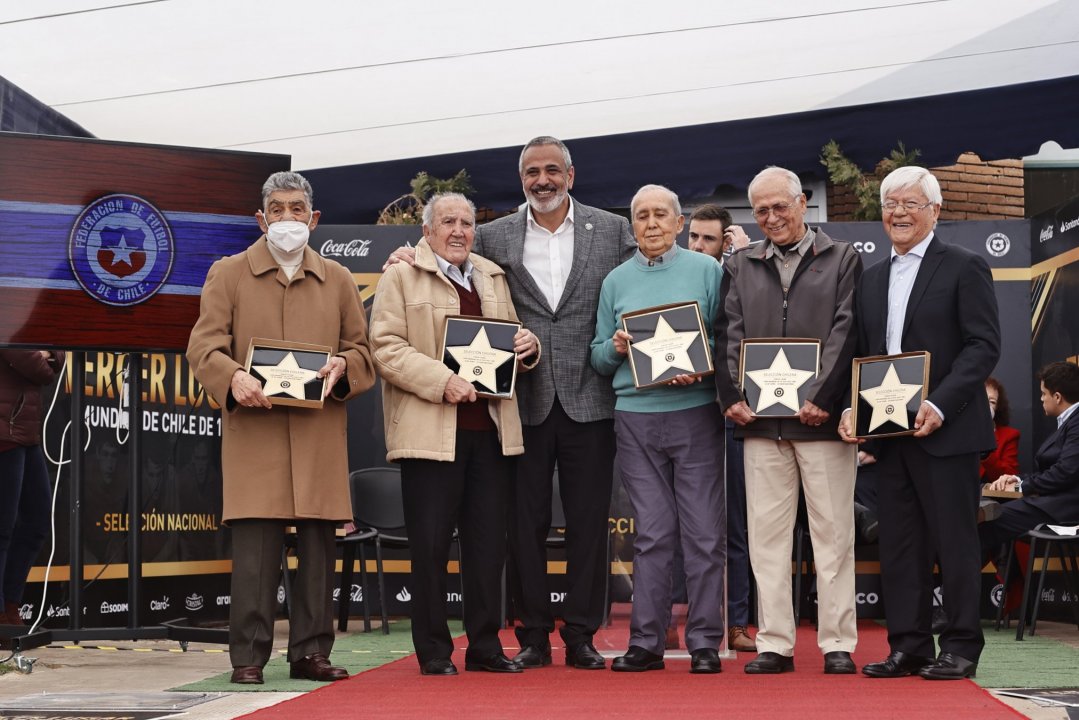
<point x="156" y="665"/>
<point x="146" y="666"/>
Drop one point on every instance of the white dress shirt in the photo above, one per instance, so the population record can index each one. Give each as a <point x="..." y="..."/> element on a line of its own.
<point x="548" y="256"/>
<point x="1063" y="417"/>
<point x="903" y="272"/>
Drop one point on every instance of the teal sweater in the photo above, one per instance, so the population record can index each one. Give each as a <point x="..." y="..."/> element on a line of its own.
<point x="683" y="277"/>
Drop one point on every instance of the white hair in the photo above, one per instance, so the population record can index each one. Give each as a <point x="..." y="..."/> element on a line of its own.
<point x="287" y="180"/>
<point x="794" y="185"/>
<point x="648" y="188"/>
<point x="429" y="208"/>
<point x="912" y="176"/>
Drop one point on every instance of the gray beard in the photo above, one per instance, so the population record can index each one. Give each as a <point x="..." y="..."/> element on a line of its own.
<point x="546" y="206"/>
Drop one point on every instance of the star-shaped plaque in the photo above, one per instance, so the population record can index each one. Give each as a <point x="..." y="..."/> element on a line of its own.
<point x="285" y="378"/>
<point x="667" y="348"/>
<point x="478" y="361"/>
<point x="889" y="400"/>
<point x="779" y="383"/>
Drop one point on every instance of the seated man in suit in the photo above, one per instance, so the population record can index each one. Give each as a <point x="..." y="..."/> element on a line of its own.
<point x="1051" y="493"/>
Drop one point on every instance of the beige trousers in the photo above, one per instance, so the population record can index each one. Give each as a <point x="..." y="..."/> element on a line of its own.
<point x="825" y="469"/>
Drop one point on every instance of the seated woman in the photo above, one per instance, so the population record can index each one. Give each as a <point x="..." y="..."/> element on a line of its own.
<point x="1051" y="493"/>
<point x="1005" y="459"/>
<point x="454" y="449"/>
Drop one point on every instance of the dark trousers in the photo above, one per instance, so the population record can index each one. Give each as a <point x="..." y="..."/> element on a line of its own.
<point x="737" y="532"/>
<point x="1017" y="518"/>
<point x="256" y="570"/>
<point x="928" y="510"/>
<point x="469" y="493"/>
<point x="24" y="516"/>
<point x="585" y="456"/>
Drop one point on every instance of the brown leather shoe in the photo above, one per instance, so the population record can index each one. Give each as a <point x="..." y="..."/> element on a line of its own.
<point x="247" y="675"/>
<point x="738" y="639"/>
<point x="316" y="667"/>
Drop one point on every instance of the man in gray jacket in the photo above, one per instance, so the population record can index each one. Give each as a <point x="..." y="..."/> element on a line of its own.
<point x="556" y="253"/>
<point x="799" y="284"/>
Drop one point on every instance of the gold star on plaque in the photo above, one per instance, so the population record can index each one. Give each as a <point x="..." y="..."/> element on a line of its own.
<point x="285" y="378"/>
<point x="779" y="383"/>
<point x="667" y="349"/>
<point x="889" y="400"/>
<point x="478" y="361"/>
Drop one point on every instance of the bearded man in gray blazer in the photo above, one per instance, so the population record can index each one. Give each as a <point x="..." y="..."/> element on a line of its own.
<point x="556" y="253"/>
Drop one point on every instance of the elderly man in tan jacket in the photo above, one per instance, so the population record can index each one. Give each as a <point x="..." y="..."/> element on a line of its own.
<point x="455" y="449"/>
<point x="281" y="465"/>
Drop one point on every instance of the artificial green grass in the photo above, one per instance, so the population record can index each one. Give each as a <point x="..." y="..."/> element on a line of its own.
<point x="356" y="652"/>
<point x="1036" y="662"/>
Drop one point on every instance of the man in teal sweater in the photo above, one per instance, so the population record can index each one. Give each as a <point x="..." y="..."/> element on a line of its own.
<point x="670" y="442"/>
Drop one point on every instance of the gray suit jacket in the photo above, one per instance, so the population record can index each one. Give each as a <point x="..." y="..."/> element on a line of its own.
<point x="601" y="241"/>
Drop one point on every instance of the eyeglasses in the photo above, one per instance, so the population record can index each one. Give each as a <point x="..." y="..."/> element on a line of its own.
<point x="910" y="206"/>
<point x="780" y="209"/>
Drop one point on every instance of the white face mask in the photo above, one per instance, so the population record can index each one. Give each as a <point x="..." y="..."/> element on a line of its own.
<point x="288" y="235"/>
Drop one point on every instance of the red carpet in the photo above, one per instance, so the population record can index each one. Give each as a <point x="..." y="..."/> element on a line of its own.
<point x="398" y="692"/>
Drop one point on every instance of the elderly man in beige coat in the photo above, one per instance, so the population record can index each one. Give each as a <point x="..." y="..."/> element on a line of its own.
<point x="454" y="448"/>
<point x="282" y="466"/>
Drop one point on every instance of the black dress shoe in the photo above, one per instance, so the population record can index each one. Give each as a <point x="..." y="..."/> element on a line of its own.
<point x="770" y="663"/>
<point x="497" y="663"/>
<point x="438" y="666"/>
<point x="704" y="662"/>
<point x="838" y="662"/>
<point x="316" y="667"/>
<point x="949" y="667"/>
<point x="585" y="657"/>
<point x="866" y="524"/>
<point x="637" y="659"/>
<point x="897" y="664"/>
<point x="247" y="675"/>
<point x="533" y="656"/>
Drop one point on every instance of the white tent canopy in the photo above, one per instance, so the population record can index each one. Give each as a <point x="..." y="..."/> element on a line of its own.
<point x="341" y="83"/>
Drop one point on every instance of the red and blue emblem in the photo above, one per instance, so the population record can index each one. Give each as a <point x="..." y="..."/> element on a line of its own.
<point x="121" y="249"/>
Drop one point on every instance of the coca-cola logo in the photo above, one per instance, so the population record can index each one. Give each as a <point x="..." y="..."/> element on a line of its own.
<point x="352" y="248"/>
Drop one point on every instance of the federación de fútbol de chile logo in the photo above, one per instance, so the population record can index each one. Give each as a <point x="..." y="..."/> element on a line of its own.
<point x="121" y="249"/>
<point x="998" y="244"/>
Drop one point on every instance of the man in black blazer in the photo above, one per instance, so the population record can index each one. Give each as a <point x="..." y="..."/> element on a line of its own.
<point x="1051" y="493"/>
<point x="556" y="253"/>
<point x="939" y="298"/>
